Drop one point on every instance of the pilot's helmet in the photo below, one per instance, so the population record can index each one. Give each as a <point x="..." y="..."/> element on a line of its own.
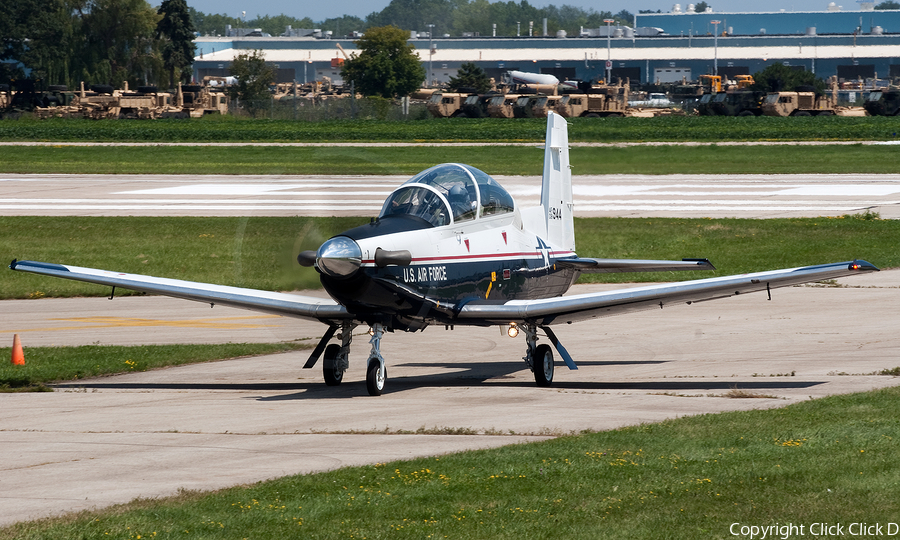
<point x="459" y="194"/>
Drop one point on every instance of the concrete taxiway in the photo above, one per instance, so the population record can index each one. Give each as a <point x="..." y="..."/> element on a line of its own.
<point x="97" y="442"/>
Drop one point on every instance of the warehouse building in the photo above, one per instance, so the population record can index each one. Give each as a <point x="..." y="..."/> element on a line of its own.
<point x="664" y="47"/>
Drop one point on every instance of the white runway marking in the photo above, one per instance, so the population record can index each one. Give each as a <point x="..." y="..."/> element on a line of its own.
<point x="615" y="195"/>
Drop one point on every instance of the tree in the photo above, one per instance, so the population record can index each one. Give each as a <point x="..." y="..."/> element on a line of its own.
<point x="118" y="42"/>
<point x="471" y="77"/>
<point x="700" y="7"/>
<point x="888" y="4"/>
<point x="177" y="32"/>
<point x="781" y="78"/>
<point x="33" y="33"/>
<point x="386" y="65"/>
<point x="254" y="75"/>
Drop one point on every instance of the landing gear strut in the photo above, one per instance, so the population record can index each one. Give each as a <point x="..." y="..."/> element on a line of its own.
<point x="376" y="372"/>
<point x="337" y="357"/>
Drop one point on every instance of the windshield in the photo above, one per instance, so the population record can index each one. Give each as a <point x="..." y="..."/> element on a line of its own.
<point x="772" y="98"/>
<point x="705" y="98"/>
<point x="449" y="190"/>
<point x="419" y="202"/>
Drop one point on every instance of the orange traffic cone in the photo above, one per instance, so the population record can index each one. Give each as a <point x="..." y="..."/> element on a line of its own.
<point x="18" y="357"/>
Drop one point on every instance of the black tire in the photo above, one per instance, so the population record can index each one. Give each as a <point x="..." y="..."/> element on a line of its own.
<point x="543" y="365"/>
<point x="58" y="88"/>
<point x="332" y="373"/>
<point x="147" y="89"/>
<point x="746" y="113"/>
<point x="375" y="383"/>
<point x="102" y="88"/>
<point x="802" y="113"/>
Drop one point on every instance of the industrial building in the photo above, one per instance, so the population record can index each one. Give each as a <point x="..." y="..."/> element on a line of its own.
<point x="663" y="47"/>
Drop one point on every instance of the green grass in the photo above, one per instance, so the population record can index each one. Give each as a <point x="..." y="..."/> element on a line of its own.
<point x="45" y="365"/>
<point x="259" y="252"/>
<point x="673" y="128"/>
<point x="829" y="460"/>
<point x="708" y="159"/>
<point x="246" y="252"/>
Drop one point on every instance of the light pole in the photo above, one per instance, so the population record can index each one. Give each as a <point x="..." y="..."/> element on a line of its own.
<point x="716" y="47"/>
<point x="430" y="54"/>
<point x="608" y="49"/>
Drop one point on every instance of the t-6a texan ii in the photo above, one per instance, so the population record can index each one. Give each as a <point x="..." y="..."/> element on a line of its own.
<point x="452" y="248"/>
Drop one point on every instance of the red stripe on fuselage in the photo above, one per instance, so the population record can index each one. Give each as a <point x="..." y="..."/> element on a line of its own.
<point x="456" y="258"/>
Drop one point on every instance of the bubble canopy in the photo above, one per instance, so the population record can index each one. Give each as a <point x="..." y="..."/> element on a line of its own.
<point x="449" y="193"/>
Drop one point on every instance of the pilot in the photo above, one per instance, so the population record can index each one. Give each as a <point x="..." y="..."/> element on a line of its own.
<point x="460" y="203"/>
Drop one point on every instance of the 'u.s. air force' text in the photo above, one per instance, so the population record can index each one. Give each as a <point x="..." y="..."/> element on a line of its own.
<point x="419" y="274"/>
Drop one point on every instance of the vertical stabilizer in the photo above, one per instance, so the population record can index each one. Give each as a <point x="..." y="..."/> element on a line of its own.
<point x="556" y="188"/>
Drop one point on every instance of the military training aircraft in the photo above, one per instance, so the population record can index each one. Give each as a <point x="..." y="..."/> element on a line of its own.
<point x="451" y="247"/>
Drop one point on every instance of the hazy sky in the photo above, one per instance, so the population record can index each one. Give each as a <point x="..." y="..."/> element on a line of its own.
<point x="319" y="11"/>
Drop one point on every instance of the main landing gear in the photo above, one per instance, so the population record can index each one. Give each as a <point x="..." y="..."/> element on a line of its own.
<point x="336" y="360"/>
<point x="539" y="358"/>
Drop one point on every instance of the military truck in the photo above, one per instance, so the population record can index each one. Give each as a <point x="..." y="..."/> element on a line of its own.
<point x="884" y="102"/>
<point x="502" y="106"/>
<point x="798" y="104"/>
<point x="446" y="104"/>
<point x="596" y="102"/>
<point x="476" y="106"/>
<point x="704" y="107"/>
<point x="199" y="100"/>
<point x="544" y="104"/>
<point x="737" y="103"/>
<point x="804" y="102"/>
<point x="524" y="105"/>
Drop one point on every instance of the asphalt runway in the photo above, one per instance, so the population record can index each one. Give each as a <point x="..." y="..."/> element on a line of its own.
<point x="685" y="195"/>
<point x="98" y="442"/>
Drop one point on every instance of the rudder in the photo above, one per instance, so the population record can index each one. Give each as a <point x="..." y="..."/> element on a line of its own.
<point x="556" y="186"/>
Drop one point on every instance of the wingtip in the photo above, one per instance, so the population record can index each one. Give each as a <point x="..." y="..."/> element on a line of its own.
<point x="702" y="264"/>
<point x="12" y="265"/>
<point x="863" y="266"/>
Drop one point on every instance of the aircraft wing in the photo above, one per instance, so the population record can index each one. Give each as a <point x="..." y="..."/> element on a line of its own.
<point x="568" y="309"/>
<point x="290" y="305"/>
<point x="603" y="266"/>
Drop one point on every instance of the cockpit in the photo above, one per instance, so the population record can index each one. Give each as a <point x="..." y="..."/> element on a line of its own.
<point x="449" y="193"/>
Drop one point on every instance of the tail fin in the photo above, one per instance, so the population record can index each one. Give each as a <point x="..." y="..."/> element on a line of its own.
<point x="556" y="188"/>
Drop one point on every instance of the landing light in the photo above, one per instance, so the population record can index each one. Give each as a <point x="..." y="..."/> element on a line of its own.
<point x="513" y="330"/>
